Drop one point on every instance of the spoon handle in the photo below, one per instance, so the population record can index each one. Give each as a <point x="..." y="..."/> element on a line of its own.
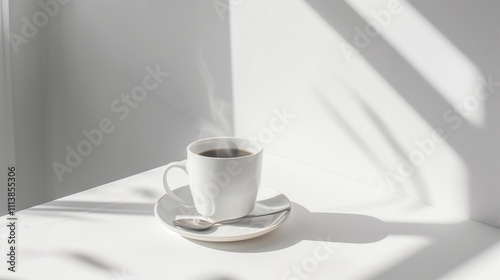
<point x="251" y="216"/>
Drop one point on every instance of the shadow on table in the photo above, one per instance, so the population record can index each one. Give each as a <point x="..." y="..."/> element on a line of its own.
<point x="305" y="225"/>
<point x="451" y="244"/>
<point x="79" y="207"/>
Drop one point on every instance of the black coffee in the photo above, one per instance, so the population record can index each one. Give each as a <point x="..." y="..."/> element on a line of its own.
<point x="225" y="153"/>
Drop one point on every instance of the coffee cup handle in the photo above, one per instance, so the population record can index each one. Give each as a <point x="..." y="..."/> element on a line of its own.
<point x="170" y="193"/>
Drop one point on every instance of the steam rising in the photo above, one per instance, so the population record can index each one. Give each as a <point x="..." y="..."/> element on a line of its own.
<point x="219" y="123"/>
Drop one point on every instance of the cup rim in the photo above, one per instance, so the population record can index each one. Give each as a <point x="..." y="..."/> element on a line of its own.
<point x="256" y="144"/>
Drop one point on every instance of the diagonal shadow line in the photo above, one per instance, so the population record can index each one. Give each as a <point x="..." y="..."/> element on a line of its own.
<point x="359" y="141"/>
<point x="470" y="35"/>
<point x="364" y="146"/>
<point x="391" y="65"/>
<point x="92" y="262"/>
<point x="97" y="207"/>
<point x="352" y="133"/>
<point x="384" y="130"/>
<point x="386" y="133"/>
<point x="389" y="137"/>
<point x="375" y="119"/>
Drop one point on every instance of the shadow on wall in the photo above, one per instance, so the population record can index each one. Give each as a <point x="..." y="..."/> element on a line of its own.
<point x="364" y="144"/>
<point x="102" y="58"/>
<point x="483" y="164"/>
<point x="477" y="146"/>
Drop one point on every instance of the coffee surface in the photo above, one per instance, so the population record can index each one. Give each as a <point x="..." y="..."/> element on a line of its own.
<point x="225" y="153"/>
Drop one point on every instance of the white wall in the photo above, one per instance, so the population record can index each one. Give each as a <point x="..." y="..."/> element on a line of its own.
<point x="359" y="115"/>
<point x="27" y="112"/>
<point x="98" y="50"/>
<point x="70" y="70"/>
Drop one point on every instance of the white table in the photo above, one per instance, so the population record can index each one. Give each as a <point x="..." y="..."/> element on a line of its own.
<point x="338" y="229"/>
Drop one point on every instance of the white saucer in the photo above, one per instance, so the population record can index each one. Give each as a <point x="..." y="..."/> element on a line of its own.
<point x="167" y="210"/>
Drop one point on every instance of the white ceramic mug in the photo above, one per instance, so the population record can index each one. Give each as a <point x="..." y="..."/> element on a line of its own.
<point x="222" y="187"/>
